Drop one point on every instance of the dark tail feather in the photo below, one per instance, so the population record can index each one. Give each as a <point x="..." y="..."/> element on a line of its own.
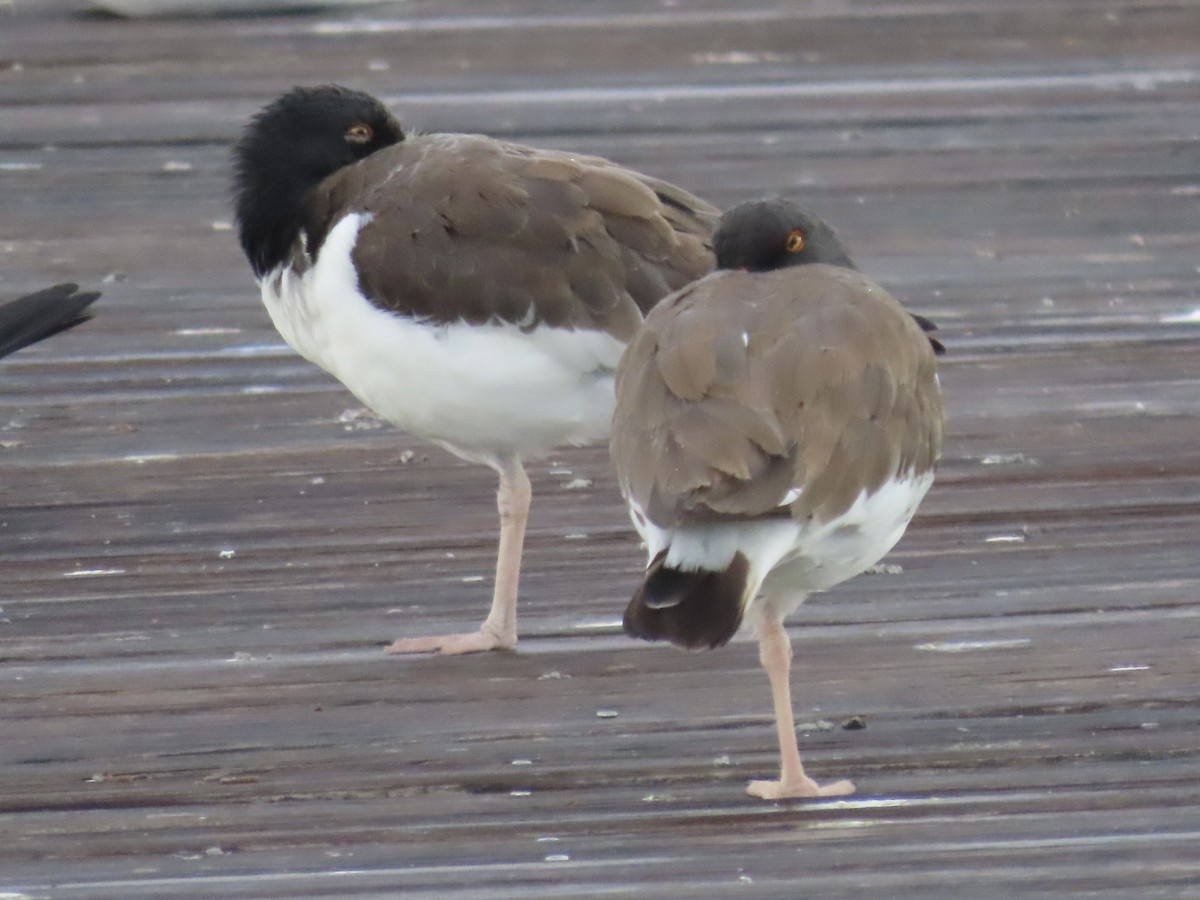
<point x="689" y="609"/>
<point x="928" y="326"/>
<point x="32" y="318"/>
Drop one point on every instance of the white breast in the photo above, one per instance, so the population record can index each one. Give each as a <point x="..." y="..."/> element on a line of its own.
<point x="478" y="390"/>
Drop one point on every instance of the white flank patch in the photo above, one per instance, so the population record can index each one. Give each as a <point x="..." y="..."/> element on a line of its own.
<point x="478" y="390"/>
<point x="788" y="559"/>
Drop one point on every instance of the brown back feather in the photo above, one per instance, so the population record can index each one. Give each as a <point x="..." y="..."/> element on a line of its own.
<point x="832" y="391"/>
<point x="466" y="228"/>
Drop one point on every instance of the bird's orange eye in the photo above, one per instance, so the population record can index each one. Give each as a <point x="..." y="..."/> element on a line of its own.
<point x="359" y="134"/>
<point x="795" y="241"/>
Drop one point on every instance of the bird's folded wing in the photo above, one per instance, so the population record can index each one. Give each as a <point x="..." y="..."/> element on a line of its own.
<point x="37" y="316"/>
<point x="786" y="393"/>
<point x="464" y="228"/>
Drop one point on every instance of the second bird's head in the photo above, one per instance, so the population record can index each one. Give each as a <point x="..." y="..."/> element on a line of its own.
<point x="762" y="235"/>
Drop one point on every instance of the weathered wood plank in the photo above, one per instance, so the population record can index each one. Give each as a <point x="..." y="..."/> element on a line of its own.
<point x="203" y="543"/>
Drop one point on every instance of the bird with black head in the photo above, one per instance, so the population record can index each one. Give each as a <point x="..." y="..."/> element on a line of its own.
<point x="474" y="292"/>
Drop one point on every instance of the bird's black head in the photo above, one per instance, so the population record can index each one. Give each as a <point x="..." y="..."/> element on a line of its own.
<point x="761" y="235"/>
<point x="292" y="144"/>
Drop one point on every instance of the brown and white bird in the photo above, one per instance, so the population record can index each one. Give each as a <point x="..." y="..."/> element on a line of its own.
<point x="42" y="314"/>
<point x="777" y="424"/>
<point x="473" y="292"/>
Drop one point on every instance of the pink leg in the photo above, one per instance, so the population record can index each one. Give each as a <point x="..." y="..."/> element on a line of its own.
<point x="775" y="652"/>
<point x="499" y="629"/>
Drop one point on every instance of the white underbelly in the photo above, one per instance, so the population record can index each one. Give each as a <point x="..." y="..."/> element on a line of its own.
<point x="828" y="554"/>
<point x="789" y="559"/>
<point x="479" y="390"/>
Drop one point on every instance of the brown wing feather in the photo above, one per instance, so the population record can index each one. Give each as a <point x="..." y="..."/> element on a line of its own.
<point x="465" y="228"/>
<point x="831" y="391"/>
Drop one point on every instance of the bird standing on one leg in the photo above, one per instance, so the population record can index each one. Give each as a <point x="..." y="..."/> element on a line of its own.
<point x="473" y="292"/>
<point x="777" y="424"/>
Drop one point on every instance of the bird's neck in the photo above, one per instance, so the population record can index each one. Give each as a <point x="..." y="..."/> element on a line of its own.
<point x="271" y="211"/>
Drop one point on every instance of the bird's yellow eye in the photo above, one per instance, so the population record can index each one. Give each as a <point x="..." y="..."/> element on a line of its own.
<point x="795" y="241"/>
<point x="359" y="134"/>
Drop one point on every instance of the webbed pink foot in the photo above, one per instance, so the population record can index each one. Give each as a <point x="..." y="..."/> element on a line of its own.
<point x="802" y="787"/>
<point x="454" y="644"/>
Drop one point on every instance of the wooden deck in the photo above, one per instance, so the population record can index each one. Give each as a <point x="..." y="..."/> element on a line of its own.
<point x="204" y="543"/>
